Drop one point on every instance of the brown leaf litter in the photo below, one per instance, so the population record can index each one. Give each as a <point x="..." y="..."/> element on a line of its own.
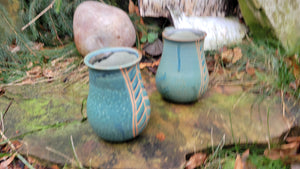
<point x="195" y="161"/>
<point x="288" y="152"/>
<point x="231" y="55"/>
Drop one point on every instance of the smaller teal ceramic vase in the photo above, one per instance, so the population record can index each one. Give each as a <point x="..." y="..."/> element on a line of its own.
<point x="182" y="74"/>
<point x="118" y="107"/>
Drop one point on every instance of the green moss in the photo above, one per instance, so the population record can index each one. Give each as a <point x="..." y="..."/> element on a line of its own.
<point x="229" y="163"/>
<point x="256" y="20"/>
<point x="41" y="112"/>
<point x="224" y="102"/>
<point x="43" y="106"/>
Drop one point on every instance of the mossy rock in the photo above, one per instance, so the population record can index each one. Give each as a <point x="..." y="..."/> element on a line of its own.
<point x="268" y="19"/>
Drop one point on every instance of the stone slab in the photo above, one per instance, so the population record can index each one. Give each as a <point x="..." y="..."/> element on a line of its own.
<point x="45" y="116"/>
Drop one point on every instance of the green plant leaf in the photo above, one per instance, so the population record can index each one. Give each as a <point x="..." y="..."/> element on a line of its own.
<point x="152" y="36"/>
<point x="57" y="6"/>
<point x="144" y="39"/>
<point x="4" y="155"/>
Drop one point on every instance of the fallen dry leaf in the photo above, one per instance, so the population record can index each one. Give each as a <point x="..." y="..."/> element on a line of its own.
<point x="160" y="136"/>
<point x="211" y="65"/>
<point x="241" y="162"/>
<point x="156" y="63"/>
<point x="14" y="48"/>
<point x="196" y="160"/>
<point x="239" y="75"/>
<point x="229" y="90"/>
<point x="131" y="9"/>
<point x="27" y="81"/>
<point x="273" y="154"/>
<point x="30" y="64"/>
<point x="48" y="73"/>
<point x="293" y="63"/>
<point x="34" y="72"/>
<point x="227" y="56"/>
<point x="296" y="72"/>
<point x="293" y="139"/>
<point x="17" y="144"/>
<point x="216" y="57"/>
<point x="6" y="163"/>
<point x="290" y="146"/>
<point x="285" y="151"/>
<point x="53" y="62"/>
<point x="137" y="11"/>
<point x="54" y="167"/>
<point x="223" y="49"/>
<point x="231" y="55"/>
<point x="37" y="46"/>
<point x="293" y="85"/>
<point x="245" y="155"/>
<point x="237" y="54"/>
<point x="145" y="64"/>
<point x="218" y="89"/>
<point x="250" y="70"/>
<point x="238" y="163"/>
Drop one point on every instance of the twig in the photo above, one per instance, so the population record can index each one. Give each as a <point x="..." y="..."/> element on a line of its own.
<point x="238" y="83"/>
<point x="32" y="83"/>
<point x="268" y="127"/>
<point x="20" y="38"/>
<point x="2" y="122"/>
<point x="3" y="115"/>
<point x="7" y="109"/>
<point x="219" y="147"/>
<point x="16" y="152"/>
<point x="14" y="82"/>
<point x="60" y="154"/>
<point x="283" y="104"/>
<point x="53" y="25"/>
<point x="75" y="154"/>
<point x="212" y="139"/>
<point x="38" y="16"/>
<point x="238" y="101"/>
<point x="285" y="110"/>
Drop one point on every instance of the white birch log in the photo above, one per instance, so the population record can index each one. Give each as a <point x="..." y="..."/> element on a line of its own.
<point x="158" y="8"/>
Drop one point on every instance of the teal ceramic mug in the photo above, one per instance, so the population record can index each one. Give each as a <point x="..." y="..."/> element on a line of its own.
<point x="118" y="107"/>
<point x="182" y="74"/>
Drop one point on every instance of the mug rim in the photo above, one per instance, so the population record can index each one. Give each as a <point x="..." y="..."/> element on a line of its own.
<point x="170" y="30"/>
<point x="92" y="54"/>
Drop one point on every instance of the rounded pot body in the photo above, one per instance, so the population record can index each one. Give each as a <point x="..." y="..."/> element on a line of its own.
<point x="182" y="74"/>
<point x="118" y="107"/>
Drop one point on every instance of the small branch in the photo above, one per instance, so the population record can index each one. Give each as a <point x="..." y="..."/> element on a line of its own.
<point x="75" y="154"/>
<point x="14" y="149"/>
<point x="17" y="34"/>
<point x="212" y="139"/>
<point x="3" y="115"/>
<point x="60" y="154"/>
<point x="7" y="109"/>
<point x="238" y="83"/>
<point x="283" y="104"/>
<point x="53" y="25"/>
<point x="38" y="16"/>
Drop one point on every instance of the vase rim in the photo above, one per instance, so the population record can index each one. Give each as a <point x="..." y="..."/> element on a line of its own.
<point x="106" y="50"/>
<point x="171" y="30"/>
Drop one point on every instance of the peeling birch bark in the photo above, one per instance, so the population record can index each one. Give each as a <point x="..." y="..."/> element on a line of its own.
<point x="159" y="8"/>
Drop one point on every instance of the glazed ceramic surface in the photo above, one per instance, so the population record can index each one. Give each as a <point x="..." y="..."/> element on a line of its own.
<point x="182" y="74"/>
<point x="118" y="107"/>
